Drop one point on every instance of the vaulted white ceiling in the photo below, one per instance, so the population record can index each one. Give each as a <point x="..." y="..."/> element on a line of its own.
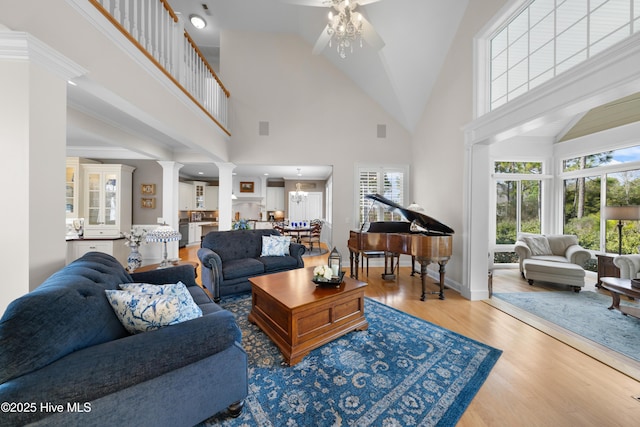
<point x="417" y="36"/>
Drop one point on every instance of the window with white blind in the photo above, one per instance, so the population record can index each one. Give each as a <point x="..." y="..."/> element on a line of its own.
<point x="390" y="182"/>
<point x="549" y="36"/>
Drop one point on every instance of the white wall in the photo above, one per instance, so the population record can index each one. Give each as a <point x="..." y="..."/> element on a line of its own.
<point x="316" y="116"/>
<point x="438" y="144"/>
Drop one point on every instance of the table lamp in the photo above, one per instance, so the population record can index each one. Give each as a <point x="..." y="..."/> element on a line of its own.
<point x="621" y="213"/>
<point x="164" y="234"/>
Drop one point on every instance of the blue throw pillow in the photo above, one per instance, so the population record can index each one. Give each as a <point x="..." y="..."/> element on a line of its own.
<point x="275" y="245"/>
<point x="145" y="307"/>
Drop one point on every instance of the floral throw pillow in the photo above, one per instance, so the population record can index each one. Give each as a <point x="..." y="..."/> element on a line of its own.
<point x="145" y="307"/>
<point x="275" y="245"/>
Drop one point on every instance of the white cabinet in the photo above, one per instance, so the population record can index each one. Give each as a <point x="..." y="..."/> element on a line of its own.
<point x="275" y="198"/>
<point x="106" y="199"/>
<point x="185" y="196"/>
<point x="195" y="233"/>
<point x="198" y="195"/>
<point x="211" y="197"/>
<point x="116" y="248"/>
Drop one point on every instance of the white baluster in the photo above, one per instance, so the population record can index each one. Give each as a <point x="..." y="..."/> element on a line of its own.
<point x="157" y="30"/>
<point x="134" y="31"/>
<point x="116" y="11"/>
<point x="127" y="21"/>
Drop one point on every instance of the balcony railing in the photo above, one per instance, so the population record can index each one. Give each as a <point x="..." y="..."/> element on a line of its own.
<point x="154" y="28"/>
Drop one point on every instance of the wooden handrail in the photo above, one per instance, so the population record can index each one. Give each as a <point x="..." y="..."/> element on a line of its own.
<point x="148" y="54"/>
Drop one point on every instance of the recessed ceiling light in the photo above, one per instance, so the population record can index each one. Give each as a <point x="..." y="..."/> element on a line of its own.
<point x="266" y="174"/>
<point x="200" y="173"/>
<point x="197" y="21"/>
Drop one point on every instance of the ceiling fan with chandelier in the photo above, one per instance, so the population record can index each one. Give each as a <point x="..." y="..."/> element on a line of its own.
<point x="346" y="27"/>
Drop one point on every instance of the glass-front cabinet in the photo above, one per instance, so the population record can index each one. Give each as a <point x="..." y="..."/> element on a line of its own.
<point x="107" y="199"/>
<point x="71" y="187"/>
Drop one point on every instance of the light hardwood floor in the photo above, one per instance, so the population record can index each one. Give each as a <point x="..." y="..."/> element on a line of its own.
<point x="538" y="380"/>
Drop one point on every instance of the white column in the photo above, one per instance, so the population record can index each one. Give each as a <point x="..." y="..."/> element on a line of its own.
<point x="476" y="220"/>
<point x="263" y="204"/>
<point x="225" y="189"/>
<point x="33" y="107"/>
<point x="170" y="202"/>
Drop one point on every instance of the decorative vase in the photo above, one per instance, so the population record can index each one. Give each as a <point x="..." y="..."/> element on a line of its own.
<point x="134" y="260"/>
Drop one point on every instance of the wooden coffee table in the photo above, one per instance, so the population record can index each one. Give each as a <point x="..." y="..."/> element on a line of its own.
<point x="299" y="317"/>
<point x="619" y="287"/>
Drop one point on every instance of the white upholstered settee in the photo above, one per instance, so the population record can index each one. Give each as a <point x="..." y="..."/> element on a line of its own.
<point x="629" y="265"/>
<point x="554" y="258"/>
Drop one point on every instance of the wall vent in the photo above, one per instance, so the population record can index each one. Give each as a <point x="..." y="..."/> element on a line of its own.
<point x="263" y="128"/>
<point x="382" y="131"/>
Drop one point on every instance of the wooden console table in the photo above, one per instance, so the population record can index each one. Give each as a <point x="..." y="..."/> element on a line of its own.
<point x="606" y="267"/>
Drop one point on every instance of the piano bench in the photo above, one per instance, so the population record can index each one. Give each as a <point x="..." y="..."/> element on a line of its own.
<point x="367" y="255"/>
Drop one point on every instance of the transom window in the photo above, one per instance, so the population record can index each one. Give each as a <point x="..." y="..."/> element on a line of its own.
<point x="550" y="36"/>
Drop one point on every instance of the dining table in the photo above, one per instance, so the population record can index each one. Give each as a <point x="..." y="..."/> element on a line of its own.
<point x="297" y="232"/>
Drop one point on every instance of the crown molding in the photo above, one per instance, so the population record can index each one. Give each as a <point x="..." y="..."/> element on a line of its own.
<point x="22" y="46"/>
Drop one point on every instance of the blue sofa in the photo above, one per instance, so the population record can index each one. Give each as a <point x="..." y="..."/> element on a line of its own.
<point x="230" y="258"/>
<point x="65" y="358"/>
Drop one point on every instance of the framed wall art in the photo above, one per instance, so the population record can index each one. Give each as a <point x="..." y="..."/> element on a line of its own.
<point x="246" y="186"/>
<point x="148" y="189"/>
<point x="149" y="202"/>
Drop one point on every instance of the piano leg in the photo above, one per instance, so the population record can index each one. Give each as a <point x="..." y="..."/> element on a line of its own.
<point x="423" y="278"/>
<point x="413" y="265"/>
<point x="351" y="263"/>
<point x="442" y="264"/>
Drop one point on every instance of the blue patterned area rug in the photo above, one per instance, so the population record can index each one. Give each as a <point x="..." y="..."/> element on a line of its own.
<point x="586" y="314"/>
<point x="401" y="371"/>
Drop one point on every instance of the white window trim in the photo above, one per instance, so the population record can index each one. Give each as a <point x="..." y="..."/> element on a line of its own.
<point x="546" y="181"/>
<point x="482" y="55"/>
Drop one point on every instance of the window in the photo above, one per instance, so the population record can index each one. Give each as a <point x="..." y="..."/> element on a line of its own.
<point x="550" y="36"/>
<point x="518" y="205"/>
<point x="610" y="178"/>
<point x="389" y="182"/>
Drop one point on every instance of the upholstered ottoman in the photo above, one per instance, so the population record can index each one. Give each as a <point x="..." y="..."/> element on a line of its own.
<point x="555" y="272"/>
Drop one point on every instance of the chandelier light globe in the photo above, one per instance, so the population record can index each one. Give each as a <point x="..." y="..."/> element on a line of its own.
<point x="344" y="26"/>
<point x="299" y="196"/>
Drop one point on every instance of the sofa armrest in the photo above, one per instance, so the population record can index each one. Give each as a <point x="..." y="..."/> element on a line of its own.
<point x="522" y="250"/>
<point x="296" y="250"/>
<point x="576" y="254"/>
<point x="106" y="368"/>
<point x="211" y="271"/>
<point x="180" y="273"/>
<point x="629" y="265"/>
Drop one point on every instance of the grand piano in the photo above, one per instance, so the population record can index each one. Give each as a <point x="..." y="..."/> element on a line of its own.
<point x="421" y="236"/>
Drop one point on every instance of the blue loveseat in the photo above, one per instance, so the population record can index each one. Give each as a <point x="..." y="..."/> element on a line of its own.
<point x="230" y="258"/>
<point x="65" y="358"/>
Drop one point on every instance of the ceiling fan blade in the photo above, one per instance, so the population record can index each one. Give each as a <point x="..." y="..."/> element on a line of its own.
<point x="366" y="2"/>
<point x="370" y="35"/>
<point x="322" y="41"/>
<point x="314" y="3"/>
